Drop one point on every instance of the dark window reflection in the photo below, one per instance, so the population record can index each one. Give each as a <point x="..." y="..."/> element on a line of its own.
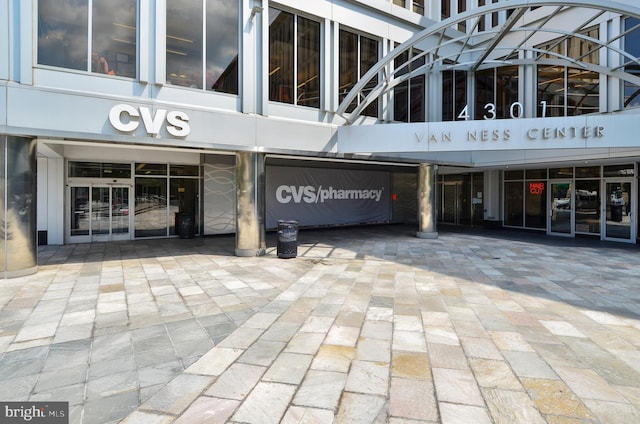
<point x="63" y="28"/>
<point x="536" y="204"/>
<point x="184" y="43"/>
<point x="408" y="96"/>
<point x="114" y="37"/>
<point x="62" y="33"/>
<point x="357" y="54"/>
<point x="632" y="46"/>
<point x="294" y="39"/>
<point x="454" y="94"/>
<point x="222" y="46"/>
<point x="513" y="205"/>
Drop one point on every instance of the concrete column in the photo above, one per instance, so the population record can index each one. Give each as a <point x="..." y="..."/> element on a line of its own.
<point x="491" y="199"/>
<point x="18" y="215"/>
<point x="427" y="202"/>
<point x="250" y="225"/>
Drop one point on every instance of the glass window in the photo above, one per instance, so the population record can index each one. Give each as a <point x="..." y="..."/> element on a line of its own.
<point x="445" y="8"/>
<point x="99" y="170"/>
<point x="63" y="35"/>
<point x="186" y="64"/>
<point x="222" y="46"/>
<point x="619" y="170"/>
<point x="299" y="84"/>
<point x="408" y="96"/>
<point x="184" y="43"/>
<point x="496" y="93"/>
<point x="454" y="94"/>
<point x="536" y="173"/>
<point x="588" y="172"/>
<point x="151" y="207"/>
<point x="561" y="173"/>
<point x="151" y="169"/>
<point x="565" y="91"/>
<point x="513" y="204"/>
<point x="536" y="204"/>
<point x="632" y="46"/>
<point x="399" y="2"/>
<point x="184" y="170"/>
<point x="462" y="7"/>
<point x="587" y="206"/>
<point x="514" y="175"/>
<point x="357" y="55"/>
<point x="418" y="6"/>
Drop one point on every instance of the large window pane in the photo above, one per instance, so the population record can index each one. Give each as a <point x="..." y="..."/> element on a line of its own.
<point x="506" y="91"/>
<point x="588" y="206"/>
<point x="536" y="204"/>
<point x="513" y="212"/>
<point x="184" y="43"/>
<point x="632" y="46"/>
<point x="151" y="207"/>
<point x="583" y="90"/>
<point x="551" y="91"/>
<point x="222" y="46"/>
<point x="63" y="33"/>
<point x="348" y="65"/>
<point x="114" y="37"/>
<point x="281" y="50"/>
<point x="368" y="58"/>
<point x="308" y="52"/>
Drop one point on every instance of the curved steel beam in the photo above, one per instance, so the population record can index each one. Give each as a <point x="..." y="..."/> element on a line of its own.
<point x="445" y="29"/>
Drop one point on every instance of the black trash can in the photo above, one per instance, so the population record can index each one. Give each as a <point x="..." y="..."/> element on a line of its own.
<point x="187" y="226"/>
<point x="287" y="246"/>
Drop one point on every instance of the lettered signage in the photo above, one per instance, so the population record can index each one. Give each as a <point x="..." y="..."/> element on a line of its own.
<point x="127" y="118"/>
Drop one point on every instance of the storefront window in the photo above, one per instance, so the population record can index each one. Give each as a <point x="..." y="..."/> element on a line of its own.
<point x="588" y="172"/>
<point x="513" y="205"/>
<point x="294" y="40"/>
<point x="587" y="218"/>
<point x="558" y="173"/>
<point x="63" y="28"/>
<point x="536" y="204"/>
<point x="99" y="170"/>
<point x="619" y="171"/>
<point x="186" y="67"/>
<point x="357" y="55"/>
<point x="151" y="207"/>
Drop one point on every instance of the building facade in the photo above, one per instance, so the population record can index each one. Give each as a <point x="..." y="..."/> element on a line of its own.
<point x="128" y="119"/>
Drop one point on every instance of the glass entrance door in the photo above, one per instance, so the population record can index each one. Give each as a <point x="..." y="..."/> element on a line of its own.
<point x="98" y="213"/>
<point x="561" y="214"/>
<point x="450" y="204"/>
<point x="618" y="218"/>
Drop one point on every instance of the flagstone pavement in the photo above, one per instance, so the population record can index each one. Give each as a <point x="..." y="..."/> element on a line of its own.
<point x="365" y="325"/>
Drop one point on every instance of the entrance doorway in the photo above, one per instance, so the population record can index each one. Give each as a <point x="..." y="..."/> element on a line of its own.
<point x="618" y="220"/>
<point x="98" y="212"/>
<point x="451" y="203"/>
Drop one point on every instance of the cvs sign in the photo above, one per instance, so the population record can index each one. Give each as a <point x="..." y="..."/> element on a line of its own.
<point x="127" y="118"/>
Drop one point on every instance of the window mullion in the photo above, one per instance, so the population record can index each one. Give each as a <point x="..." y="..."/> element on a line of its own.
<point x="295" y="59"/>
<point x="89" y="35"/>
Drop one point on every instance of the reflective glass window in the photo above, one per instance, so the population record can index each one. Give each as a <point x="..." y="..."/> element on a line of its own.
<point x="567" y="91"/>
<point x="561" y="173"/>
<point x="497" y="93"/>
<point x="514" y="175"/>
<point x="454" y="94"/>
<point x="222" y="46"/>
<point x="632" y="46"/>
<point x="513" y="204"/>
<point x="536" y="173"/>
<point x="445" y="8"/>
<point x="188" y="62"/>
<point x="294" y="40"/>
<point x="587" y="202"/>
<point x="151" y="214"/>
<point x="588" y="172"/>
<point x="619" y="170"/>
<point x="184" y="170"/>
<point x="418" y="6"/>
<point x="408" y="96"/>
<point x="535" y="204"/>
<point x="63" y="35"/>
<point x="151" y="169"/>
<point x="357" y="54"/>
<point x="184" y="43"/>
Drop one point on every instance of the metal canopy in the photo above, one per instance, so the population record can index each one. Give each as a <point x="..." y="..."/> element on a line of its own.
<point x="441" y="46"/>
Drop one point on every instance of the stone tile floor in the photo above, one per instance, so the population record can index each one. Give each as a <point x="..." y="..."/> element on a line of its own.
<point x="366" y="325"/>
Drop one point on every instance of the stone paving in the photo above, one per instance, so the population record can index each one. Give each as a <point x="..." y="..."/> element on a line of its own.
<point x="366" y="325"/>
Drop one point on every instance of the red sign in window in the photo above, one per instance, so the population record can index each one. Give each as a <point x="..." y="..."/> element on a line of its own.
<point x="536" y="188"/>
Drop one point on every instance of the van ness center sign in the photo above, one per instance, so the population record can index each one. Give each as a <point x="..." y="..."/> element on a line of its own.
<point x="593" y="131"/>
